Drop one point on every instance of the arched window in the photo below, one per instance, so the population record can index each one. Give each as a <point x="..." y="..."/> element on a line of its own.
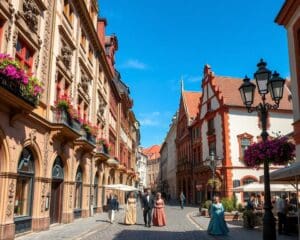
<point x="58" y="169"/>
<point x="78" y="193"/>
<point x="96" y="179"/>
<point x="24" y="191"/>
<point x="247" y="180"/>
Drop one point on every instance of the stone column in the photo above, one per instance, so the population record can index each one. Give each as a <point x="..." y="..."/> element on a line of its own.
<point x="68" y="202"/>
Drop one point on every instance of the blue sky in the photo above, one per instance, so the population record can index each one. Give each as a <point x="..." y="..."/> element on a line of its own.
<point x="161" y="41"/>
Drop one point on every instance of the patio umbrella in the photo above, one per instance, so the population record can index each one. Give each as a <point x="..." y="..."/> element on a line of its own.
<point x="121" y="187"/>
<point x="259" y="187"/>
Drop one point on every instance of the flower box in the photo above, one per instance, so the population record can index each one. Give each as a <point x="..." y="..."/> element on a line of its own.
<point x="18" y="89"/>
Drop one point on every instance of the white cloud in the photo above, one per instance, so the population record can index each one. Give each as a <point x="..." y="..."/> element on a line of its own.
<point x="193" y="79"/>
<point x="150" y="119"/>
<point x="134" y="64"/>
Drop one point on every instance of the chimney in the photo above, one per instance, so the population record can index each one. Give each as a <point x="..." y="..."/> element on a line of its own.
<point x="101" y="24"/>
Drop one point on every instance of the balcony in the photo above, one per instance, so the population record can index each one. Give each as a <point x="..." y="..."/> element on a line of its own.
<point x="65" y="126"/>
<point x="88" y="137"/>
<point x="102" y="153"/>
<point x="15" y="94"/>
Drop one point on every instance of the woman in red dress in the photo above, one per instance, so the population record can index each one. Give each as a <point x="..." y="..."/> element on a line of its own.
<point x="159" y="216"/>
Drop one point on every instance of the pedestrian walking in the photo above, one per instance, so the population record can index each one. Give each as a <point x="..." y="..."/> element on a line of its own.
<point x="159" y="216"/>
<point x="181" y="199"/>
<point x="113" y="205"/>
<point x="130" y="211"/>
<point x="217" y="224"/>
<point x="147" y="206"/>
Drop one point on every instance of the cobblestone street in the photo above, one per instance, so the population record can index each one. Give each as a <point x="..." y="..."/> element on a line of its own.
<point x="181" y="225"/>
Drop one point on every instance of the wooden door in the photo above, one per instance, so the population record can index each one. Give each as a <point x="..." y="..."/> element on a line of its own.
<point x="56" y="202"/>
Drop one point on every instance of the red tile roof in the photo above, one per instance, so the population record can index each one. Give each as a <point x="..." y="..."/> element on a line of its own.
<point x="191" y="101"/>
<point x="229" y="90"/>
<point x="152" y="152"/>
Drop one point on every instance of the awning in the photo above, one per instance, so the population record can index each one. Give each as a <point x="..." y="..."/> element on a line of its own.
<point x="121" y="187"/>
<point x="260" y="187"/>
<point x="287" y="174"/>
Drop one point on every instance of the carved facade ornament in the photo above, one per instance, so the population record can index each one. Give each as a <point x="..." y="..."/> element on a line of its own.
<point x="15" y="39"/>
<point x="43" y="198"/>
<point x="32" y="136"/>
<point x="66" y="56"/>
<point x="46" y="49"/>
<point x="8" y="32"/>
<point x="10" y="205"/>
<point x="85" y="80"/>
<point x="31" y="13"/>
<point x="102" y="105"/>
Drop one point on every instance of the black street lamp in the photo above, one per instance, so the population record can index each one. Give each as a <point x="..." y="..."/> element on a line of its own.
<point x="273" y="83"/>
<point x="212" y="162"/>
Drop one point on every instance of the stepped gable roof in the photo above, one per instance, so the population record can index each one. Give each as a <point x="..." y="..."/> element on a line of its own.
<point x="191" y="101"/>
<point x="152" y="152"/>
<point x="229" y="91"/>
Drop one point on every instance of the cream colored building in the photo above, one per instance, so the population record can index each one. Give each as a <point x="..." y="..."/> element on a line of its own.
<point x="51" y="169"/>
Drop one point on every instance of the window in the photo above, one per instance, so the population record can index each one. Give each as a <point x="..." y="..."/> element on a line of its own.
<point x="68" y="12"/>
<point x="78" y="189"/>
<point x="212" y="147"/>
<point x="24" y="54"/>
<point x="90" y="56"/>
<point x="210" y="127"/>
<point x="24" y="190"/>
<point x="83" y="40"/>
<point x="248" y="180"/>
<point x="245" y="141"/>
<point x="58" y="169"/>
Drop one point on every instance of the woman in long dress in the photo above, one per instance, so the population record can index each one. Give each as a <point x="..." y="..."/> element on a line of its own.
<point x="217" y="224"/>
<point x="130" y="212"/>
<point x="159" y="216"/>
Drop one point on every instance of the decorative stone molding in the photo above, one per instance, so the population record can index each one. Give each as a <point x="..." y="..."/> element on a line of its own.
<point x="85" y="80"/>
<point x="31" y="13"/>
<point x="10" y="205"/>
<point x="102" y="105"/>
<point x="15" y="39"/>
<point x="66" y="56"/>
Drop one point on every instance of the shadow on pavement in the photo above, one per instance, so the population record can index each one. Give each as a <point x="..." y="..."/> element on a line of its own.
<point x="152" y="234"/>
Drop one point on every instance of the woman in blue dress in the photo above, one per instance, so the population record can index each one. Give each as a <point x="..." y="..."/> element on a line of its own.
<point x="217" y="224"/>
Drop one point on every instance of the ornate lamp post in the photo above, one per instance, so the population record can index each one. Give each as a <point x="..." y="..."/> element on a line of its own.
<point x="273" y="84"/>
<point x="212" y="162"/>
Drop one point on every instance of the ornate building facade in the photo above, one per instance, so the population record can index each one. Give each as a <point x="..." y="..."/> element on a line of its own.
<point x="153" y="166"/>
<point x="54" y="145"/>
<point x="218" y="127"/>
<point x="168" y="164"/>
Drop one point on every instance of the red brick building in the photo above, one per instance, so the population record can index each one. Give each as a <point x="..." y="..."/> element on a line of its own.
<point x="188" y="110"/>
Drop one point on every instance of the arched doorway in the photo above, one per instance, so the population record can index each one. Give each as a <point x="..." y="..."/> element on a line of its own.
<point x="95" y="199"/>
<point x="78" y="193"/>
<point x="56" y="191"/>
<point x="24" y="192"/>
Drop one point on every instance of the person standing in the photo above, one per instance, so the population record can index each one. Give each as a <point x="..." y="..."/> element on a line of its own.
<point x="130" y="212"/>
<point x="159" y="216"/>
<point x="147" y="206"/>
<point x="182" y="199"/>
<point x="113" y="205"/>
<point x="281" y="207"/>
<point x="217" y="224"/>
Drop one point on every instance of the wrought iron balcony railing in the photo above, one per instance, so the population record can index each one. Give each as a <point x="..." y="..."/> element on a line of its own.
<point x="18" y="89"/>
<point x="63" y="117"/>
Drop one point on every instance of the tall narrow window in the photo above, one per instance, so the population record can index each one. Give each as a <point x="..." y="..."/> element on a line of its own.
<point x="24" y="192"/>
<point x="1" y="32"/>
<point x="210" y="127"/>
<point x="68" y="12"/>
<point x="24" y="54"/>
<point x="78" y="193"/>
<point x="244" y="141"/>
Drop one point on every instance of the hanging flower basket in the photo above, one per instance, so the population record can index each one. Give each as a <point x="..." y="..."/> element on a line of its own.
<point x="214" y="183"/>
<point x="278" y="151"/>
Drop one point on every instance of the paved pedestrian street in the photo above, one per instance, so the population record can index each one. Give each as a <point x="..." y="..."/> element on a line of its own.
<point x="183" y="224"/>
